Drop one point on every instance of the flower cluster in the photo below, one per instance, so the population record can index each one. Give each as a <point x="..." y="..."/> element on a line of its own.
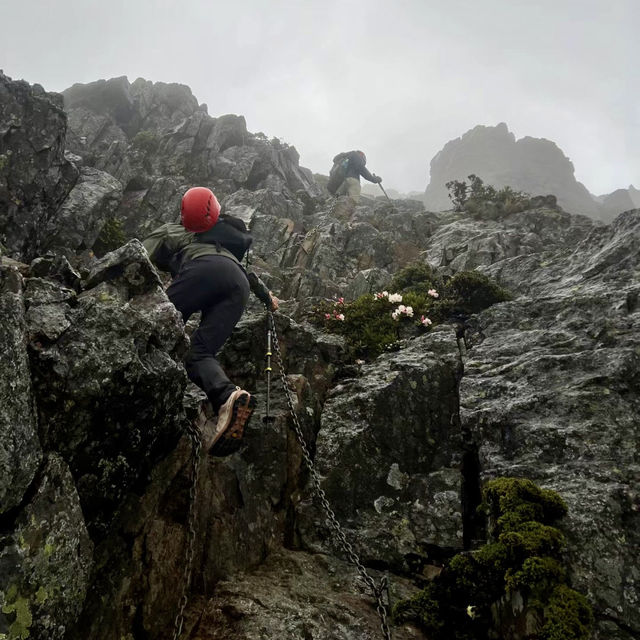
<point x="425" y="322"/>
<point x="391" y="297"/>
<point x="336" y="315"/>
<point x="402" y="311"/>
<point x="433" y="293"/>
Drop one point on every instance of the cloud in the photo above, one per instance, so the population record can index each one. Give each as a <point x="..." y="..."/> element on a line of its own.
<point x="397" y="80"/>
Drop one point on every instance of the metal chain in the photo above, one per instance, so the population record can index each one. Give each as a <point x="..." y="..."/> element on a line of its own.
<point x="196" y="444"/>
<point x="376" y="590"/>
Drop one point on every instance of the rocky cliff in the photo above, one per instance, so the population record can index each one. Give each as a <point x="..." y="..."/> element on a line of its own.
<point x="95" y="456"/>
<point x="533" y="165"/>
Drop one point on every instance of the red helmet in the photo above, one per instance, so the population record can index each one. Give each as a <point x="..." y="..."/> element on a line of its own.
<point x="200" y="209"/>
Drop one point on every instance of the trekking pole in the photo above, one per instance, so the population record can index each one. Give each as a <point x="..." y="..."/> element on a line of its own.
<point x="267" y="417"/>
<point x="383" y="191"/>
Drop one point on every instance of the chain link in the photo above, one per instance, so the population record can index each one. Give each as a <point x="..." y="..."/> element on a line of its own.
<point x="376" y="590"/>
<point x="196" y="444"/>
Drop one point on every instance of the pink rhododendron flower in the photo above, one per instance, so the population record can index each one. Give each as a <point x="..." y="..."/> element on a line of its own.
<point x="340" y="316"/>
<point x="433" y="293"/>
<point x="424" y="321"/>
<point x="395" y="297"/>
<point x="327" y="316"/>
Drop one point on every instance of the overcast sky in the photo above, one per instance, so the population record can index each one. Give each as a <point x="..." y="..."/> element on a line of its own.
<point x="397" y="79"/>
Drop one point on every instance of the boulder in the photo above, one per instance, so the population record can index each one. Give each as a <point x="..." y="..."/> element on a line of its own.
<point x="388" y="454"/>
<point x="35" y="177"/>
<point x="87" y="209"/>
<point x="20" y="451"/>
<point x="108" y="377"/>
<point x="46" y="560"/>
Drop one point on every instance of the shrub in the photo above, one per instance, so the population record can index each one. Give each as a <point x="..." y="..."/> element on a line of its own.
<point x="145" y="141"/>
<point x="420" y="300"/>
<point x="522" y="554"/>
<point x="484" y="200"/>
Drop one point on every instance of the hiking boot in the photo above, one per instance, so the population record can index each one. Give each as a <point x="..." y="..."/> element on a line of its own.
<point x="233" y="416"/>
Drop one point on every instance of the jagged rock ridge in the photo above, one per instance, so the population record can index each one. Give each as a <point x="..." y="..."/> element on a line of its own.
<point x="544" y="386"/>
<point x="533" y="165"/>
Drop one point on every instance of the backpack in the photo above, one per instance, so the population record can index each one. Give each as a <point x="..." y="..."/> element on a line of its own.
<point x="338" y="173"/>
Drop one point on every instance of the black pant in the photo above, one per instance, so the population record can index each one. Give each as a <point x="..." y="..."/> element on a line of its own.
<point x="218" y="287"/>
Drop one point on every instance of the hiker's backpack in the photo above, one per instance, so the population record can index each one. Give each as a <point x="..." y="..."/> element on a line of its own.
<point x="338" y="173"/>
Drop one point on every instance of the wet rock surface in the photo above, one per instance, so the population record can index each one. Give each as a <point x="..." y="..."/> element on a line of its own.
<point x="20" y="452"/>
<point x="35" y="176"/>
<point x="389" y="451"/>
<point x="94" y="458"/>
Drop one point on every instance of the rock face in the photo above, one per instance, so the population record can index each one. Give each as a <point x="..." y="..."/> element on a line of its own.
<point x="551" y="393"/>
<point x="533" y="165"/>
<point x="156" y="141"/>
<point x="95" y="465"/>
<point x="35" y="177"/>
<point x="406" y="499"/>
<point x="620" y="200"/>
<point x="20" y="452"/>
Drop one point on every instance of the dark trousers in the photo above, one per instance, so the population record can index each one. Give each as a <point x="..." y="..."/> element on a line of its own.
<point x="218" y="287"/>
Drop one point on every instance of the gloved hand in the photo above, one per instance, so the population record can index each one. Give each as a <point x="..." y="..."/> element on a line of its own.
<point x="377" y="179"/>
<point x="274" y="302"/>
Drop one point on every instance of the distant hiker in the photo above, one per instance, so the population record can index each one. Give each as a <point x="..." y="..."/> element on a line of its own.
<point x="204" y="255"/>
<point x="344" y="179"/>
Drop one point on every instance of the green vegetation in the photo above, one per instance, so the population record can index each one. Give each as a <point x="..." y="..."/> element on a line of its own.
<point x="485" y="201"/>
<point x="145" y="141"/>
<point x="19" y="607"/>
<point x="111" y="237"/>
<point x="524" y="554"/>
<point x="418" y="300"/>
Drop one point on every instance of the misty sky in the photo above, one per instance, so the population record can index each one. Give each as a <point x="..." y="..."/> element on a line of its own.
<point x="397" y="79"/>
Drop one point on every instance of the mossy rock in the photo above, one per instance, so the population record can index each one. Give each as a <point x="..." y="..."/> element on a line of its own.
<point x="111" y="237"/>
<point x="524" y="555"/>
<point x="145" y="141"/>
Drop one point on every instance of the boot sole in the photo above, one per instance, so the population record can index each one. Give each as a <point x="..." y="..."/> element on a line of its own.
<point x="231" y="439"/>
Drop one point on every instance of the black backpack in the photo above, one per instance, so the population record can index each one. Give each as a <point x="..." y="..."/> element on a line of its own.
<point x="338" y="173"/>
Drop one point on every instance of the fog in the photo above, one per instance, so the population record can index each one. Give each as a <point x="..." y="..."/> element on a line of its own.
<point x="397" y="80"/>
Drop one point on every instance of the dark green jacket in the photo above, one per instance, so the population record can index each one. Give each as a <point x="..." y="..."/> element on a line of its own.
<point x="171" y="245"/>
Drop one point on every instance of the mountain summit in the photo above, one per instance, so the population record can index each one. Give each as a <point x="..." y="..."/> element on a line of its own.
<point x="534" y="165"/>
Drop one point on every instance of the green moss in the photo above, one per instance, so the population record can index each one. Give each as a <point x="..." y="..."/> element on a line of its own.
<point x="568" y="616"/>
<point x="425" y="607"/>
<point x="537" y="574"/>
<point x="19" y="607"/>
<point x="111" y="237"/>
<point x="524" y="553"/>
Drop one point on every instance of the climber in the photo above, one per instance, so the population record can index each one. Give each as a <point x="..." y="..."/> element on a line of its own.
<point x="204" y="255"/>
<point x="344" y="179"/>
